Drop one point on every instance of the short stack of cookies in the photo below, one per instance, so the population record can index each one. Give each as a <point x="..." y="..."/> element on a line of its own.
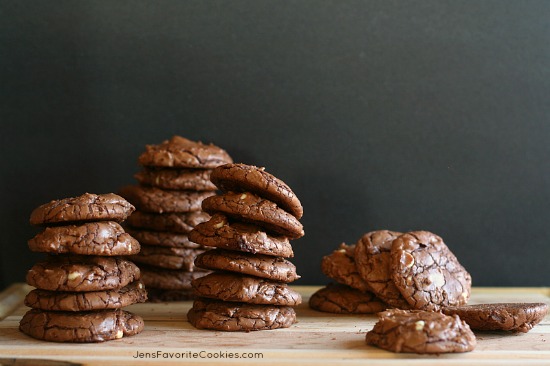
<point x="85" y="282"/>
<point x="252" y="222"/>
<point x="172" y="185"/>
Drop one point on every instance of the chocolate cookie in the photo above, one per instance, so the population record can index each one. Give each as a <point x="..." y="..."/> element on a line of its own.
<point x="156" y="200"/>
<point x="417" y="331"/>
<point x="373" y="262"/>
<point x="248" y="178"/>
<point x="340" y="266"/>
<point x="173" y="222"/>
<point x="219" y="232"/>
<point x="249" y="207"/>
<point x="105" y="238"/>
<point x="160" y="295"/>
<point x="82" y="327"/>
<point x="427" y="273"/>
<point x="179" y="152"/>
<point x="516" y="317"/>
<point x="272" y="268"/>
<point x="163" y="239"/>
<point x="168" y="279"/>
<point x="179" y="179"/>
<point x="167" y="257"/>
<point x="341" y="299"/>
<point x="88" y="207"/>
<point x="253" y="290"/>
<point x="235" y="317"/>
<point x="85" y="301"/>
<point x="82" y="273"/>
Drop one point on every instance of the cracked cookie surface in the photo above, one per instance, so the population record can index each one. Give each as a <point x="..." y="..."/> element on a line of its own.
<point x="163" y="238"/>
<point x="340" y="266"/>
<point x="342" y="299"/>
<point x="181" y="223"/>
<point x="156" y="200"/>
<point x="179" y="179"/>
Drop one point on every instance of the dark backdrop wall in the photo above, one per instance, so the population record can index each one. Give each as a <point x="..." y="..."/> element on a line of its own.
<point x="402" y="115"/>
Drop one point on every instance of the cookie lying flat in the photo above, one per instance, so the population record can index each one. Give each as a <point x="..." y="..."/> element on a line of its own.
<point x="161" y="295"/>
<point x="163" y="239"/>
<point x="219" y="232"/>
<point x="235" y="317"/>
<point x="427" y="273"/>
<point x="180" y="179"/>
<point x="83" y="327"/>
<point x="516" y="317"/>
<point x="85" y="301"/>
<point x="248" y="178"/>
<point x="181" y="223"/>
<point x="239" y="288"/>
<point x="373" y="261"/>
<point x="168" y="279"/>
<point x="179" y="152"/>
<point x="167" y="257"/>
<point x="156" y="200"/>
<point x="252" y="208"/>
<point x="87" y="207"/>
<point x="272" y="268"/>
<point x="341" y="299"/>
<point x="106" y="238"/>
<point x="417" y="331"/>
<point x="82" y="273"/>
<point x="340" y="266"/>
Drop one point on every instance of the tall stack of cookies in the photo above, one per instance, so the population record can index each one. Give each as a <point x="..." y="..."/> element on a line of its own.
<point x="84" y="282"/>
<point x="172" y="185"/>
<point x="252" y="222"/>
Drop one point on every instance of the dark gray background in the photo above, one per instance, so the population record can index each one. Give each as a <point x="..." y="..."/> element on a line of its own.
<point x="379" y="114"/>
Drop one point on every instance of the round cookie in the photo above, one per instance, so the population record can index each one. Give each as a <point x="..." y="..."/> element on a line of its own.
<point x="417" y="331"/>
<point x="341" y="299"/>
<point x="248" y="178"/>
<point x="173" y="222"/>
<point x="167" y="257"/>
<point x="252" y="208"/>
<point x="373" y="262"/>
<point x="156" y="200"/>
<point x="81" y="327"/>
<point x="427" y="273"/>
<point x="272" y="268"/>
<point x="235" y="317"/>
<point x="516" y="317"/>
<point x="179" y="179"/>
<point x="160" y="295"/>
<point x="168" y="279"/>
<point x="219" y="232"/>
<point x="239" y="288"/>
<point x="163" y="239"/>
<point x="86" y="301"/>
<point x="340" y="266"/>
<point x="87" y="207"/>
<point x="104" y="238"/>
<point x="179" y="152"/>
<point x="82" y="273"/>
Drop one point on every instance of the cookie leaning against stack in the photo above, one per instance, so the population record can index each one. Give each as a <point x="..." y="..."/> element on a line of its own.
<point x="172" y="185"/>
<point x="252" y="222"/>
<point x="83" y="284"/>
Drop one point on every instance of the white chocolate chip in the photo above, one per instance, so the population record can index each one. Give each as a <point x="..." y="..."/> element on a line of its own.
<point x="73" y="276"/>
<point x="219" y="225"/>
<point x="140" y="285"/>
<point x="129" y="246"/>
<point x="437" y="279"/>
<point x="407" y="259"/>
<point x="119" y="334"/>
<point x="419" y="325"/>
<point x="243" y="196"/>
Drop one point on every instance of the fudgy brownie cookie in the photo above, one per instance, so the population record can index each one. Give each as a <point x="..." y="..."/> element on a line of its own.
<point x="161" y="295"/>
<point x="427" y="273"/>
<point x="252" y="208"/>
<point x="163" y="239"/>
<point x="167" y="257"/>
<point x="234" y="317"/>
<point x="82" y="327"/>
<point x="104" y="238"/>
<point x="180" y="179"/>
<point x="87" y="207"/>
<point x="219" y="232"/>
<point x="417" y="331"/>
<point x="82" y="273"/>
<point x="373" y="261"/>
<point x="340" y="266"/>
<point x="173" y="222"/>
<point x="273" y="268"/>
<point x="179" y="152"/>
<point x="342" y="299"/>
<point x="156" y="200"/>
<point x="516" y="317"/>
<point x="248" y="178"/>
<point x="239" y="288"/>
<point x="86" y="301"/>
<point x="168" y="279"/>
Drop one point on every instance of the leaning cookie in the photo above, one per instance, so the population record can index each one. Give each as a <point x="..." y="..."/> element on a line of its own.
<point x="341" y="299"/>
<point x="340" y="266"/>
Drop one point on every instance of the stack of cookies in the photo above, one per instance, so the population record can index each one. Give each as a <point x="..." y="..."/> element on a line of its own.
<point x="174" y="181"/>
<point x="252" y="222"/>
<point x="84" y="282"/>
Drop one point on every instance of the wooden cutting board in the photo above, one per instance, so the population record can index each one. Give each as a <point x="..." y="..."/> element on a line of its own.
<point x="317" y="339"/>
